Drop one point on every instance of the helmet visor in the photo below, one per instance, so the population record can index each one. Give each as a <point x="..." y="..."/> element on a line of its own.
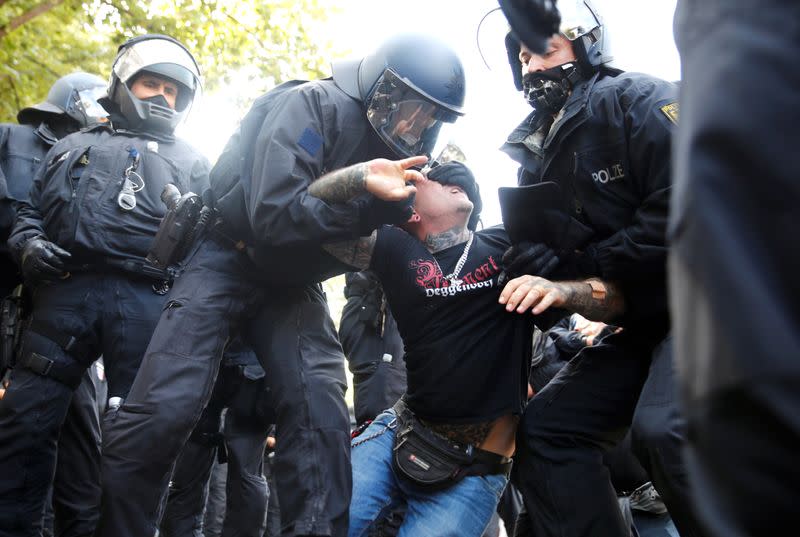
<point x="86" y="103"/>
<point x="157" y="54"/>
<point x="407" y="121"/>
<point x="577" y="19"/>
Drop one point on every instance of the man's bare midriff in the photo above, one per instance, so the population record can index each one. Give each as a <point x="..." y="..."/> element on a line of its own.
<point x="497" y="436"/>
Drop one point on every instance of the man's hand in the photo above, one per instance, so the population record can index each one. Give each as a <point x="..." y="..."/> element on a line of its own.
<point x="534" y="293"/>
<point x="387" y="179"/>
<point x="43" y="260"/>
<point x="537" y="294"/>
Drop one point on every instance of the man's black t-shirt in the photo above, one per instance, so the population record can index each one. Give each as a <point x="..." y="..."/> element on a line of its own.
<point x="467" y="358"/>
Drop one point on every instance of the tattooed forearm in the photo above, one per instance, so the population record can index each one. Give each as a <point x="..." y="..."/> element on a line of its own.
<point x="582" y="298"/>
<point x="341" y="185"/>
<point x="439" y="241"/>
<point x="357" y="253"/>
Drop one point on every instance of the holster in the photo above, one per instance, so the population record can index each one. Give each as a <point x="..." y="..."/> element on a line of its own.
<point x="183" y="222"/>
<point x="11" y="315"/>
<point x="434" y="463"/>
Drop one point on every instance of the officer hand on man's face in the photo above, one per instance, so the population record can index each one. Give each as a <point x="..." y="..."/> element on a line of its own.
<point x="387" y="179"/>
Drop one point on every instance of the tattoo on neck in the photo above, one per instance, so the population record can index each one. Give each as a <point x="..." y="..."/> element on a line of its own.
<point x="439" y="241"/>
<point x="341" y="185"/>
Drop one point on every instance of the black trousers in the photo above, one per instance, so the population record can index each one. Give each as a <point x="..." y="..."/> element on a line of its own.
<point x="75" y="505"/>
<point x="110" y="315"/>
<point x="653" y="449"/>
<point x="659" y="437"/>
<point x="566" y="430"/>
<point x="292" y="334"/>
<point x="734" y="261"/>
<point x="246" y="491"/>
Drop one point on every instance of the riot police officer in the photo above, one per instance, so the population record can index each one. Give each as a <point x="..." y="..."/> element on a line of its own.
<point x="255" y="272"/>
<point x="603" y="137"/>
<point x="734" y="260"/>
<point x="81" y="242"/>
<point x="71" y="104"/>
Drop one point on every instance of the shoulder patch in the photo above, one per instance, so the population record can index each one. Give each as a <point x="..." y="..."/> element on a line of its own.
<point x="311" y="141"/>
<point x="671" y="111"/>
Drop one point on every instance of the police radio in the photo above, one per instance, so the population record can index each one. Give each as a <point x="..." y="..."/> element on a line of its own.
<point x="178" y="228"/>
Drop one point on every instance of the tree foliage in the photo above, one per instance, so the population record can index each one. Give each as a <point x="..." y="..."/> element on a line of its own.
<point x="258" y="42"/>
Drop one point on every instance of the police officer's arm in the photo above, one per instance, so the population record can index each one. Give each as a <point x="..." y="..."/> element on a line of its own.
<point x="595" y="299"/>
<point x="384" y="179"/>
<point x="295" y="143"/>
<point x="29" y="223"/>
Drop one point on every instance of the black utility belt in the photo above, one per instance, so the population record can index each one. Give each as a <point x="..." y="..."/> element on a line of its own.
<point x="433" y="462"/>
<point x="127" y="266"/>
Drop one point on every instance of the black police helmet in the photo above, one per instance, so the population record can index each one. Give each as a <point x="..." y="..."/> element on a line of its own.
<point x="456" y="173"/>
<point x="162" y="56"/>
<point x="74" y="96"/>
<point x="409" y="85"/>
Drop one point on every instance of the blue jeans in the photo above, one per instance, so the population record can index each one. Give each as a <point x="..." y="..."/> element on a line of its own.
<point x="463" y="510"/>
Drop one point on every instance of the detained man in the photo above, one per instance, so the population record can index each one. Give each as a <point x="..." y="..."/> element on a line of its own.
<point x="444" y="450"/>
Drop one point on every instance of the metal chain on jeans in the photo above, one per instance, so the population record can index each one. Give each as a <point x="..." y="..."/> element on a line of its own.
<point x="391" y="425"/>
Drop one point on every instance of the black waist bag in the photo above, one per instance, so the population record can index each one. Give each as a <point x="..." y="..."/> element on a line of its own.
<point x="434" y="463"/>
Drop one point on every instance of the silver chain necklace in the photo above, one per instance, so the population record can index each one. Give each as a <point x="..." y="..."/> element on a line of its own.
<point x="453" y="276"/>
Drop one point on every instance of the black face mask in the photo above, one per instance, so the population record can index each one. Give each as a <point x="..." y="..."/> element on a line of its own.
<point x="547" y="91"/>
<point x="158" y="100"/>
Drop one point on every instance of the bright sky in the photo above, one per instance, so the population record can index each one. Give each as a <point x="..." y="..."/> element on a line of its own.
<point x="640" y="36"/>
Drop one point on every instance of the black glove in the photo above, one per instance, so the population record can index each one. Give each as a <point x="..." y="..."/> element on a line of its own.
<point x="376" y="212"/>
<point x="42" y="260"/>
<point x="534" y="258"/>
<point x="538" y="259"/>
<point x="533" y="21"/>
<point x="576" y="264"/>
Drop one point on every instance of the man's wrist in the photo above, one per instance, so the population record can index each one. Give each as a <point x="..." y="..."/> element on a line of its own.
<point x="594" y="299"/>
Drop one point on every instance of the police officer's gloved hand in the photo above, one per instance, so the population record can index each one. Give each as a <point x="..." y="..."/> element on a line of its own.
<point x="378" y="212"/>
<point x="42" y="260"/>
<point x="534" y="258"/>
<point x="539" y="259"/>
<point x="577" y="264"/>
<point x="533" y="21"/>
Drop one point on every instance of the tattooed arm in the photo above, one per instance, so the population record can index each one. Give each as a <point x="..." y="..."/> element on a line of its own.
<point x="595" y="299"/>
<point x="356" y="253"/>
<point x="384" y="179"/>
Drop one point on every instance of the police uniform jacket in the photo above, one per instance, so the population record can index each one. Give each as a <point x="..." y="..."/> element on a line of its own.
<point x="291" y="136"/>
<point x="73" y="200"/>
<point x="610" y="154"/>
<point x="22" y="150"/>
